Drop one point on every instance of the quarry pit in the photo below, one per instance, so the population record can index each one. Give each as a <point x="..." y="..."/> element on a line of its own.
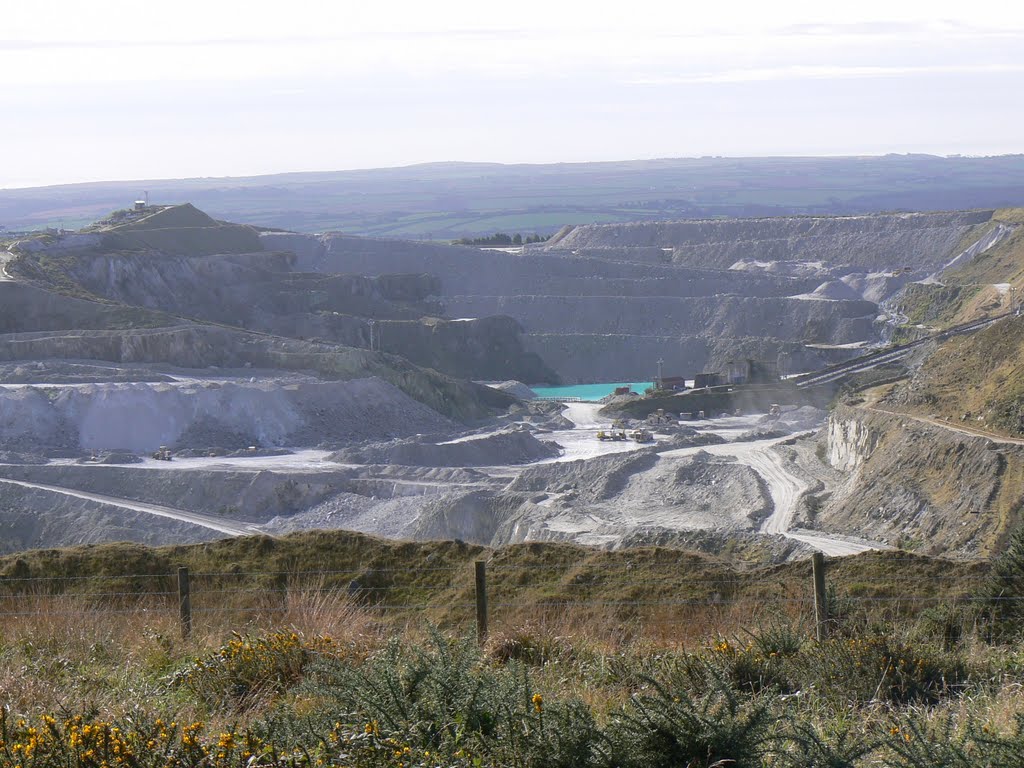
<point x="169" y="378"/>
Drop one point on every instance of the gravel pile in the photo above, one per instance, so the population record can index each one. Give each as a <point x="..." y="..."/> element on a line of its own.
<point x="516" y="446"/>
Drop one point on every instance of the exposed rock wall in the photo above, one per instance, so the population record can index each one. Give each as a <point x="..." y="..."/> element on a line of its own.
<point x="583" y="357"/>
<point x="142" y="417"/>
<point x="920" y="240"/>
<point x="249" y="289"/>
<point x="490" y="346"/>
<point x="69" y="521"/>
<point x="613" y="316"/>
<point x="472" y="271"/>
<point x="26" y="308"/>
<point x="712" y="316"/>
<point x="924" y="487"/>
<point x="194" y="346"/>
<point x="259" y="291"/>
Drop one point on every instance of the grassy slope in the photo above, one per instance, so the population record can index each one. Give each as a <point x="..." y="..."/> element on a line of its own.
<point x="975" y="380"/>
<point x="967" y="293"/>
<point x="438" y="576"/>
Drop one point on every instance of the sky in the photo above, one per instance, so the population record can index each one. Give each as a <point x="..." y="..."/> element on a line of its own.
<point x="106" y="89"/>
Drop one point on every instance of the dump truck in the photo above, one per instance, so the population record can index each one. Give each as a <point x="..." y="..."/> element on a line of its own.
<point x="163" y="453"/>
<point x="641" y="436"/>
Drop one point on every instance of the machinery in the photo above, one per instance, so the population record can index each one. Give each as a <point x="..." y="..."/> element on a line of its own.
<point x="660" y="418"/>
<point x="163" y="453"/>
<point x="641" y="436"/>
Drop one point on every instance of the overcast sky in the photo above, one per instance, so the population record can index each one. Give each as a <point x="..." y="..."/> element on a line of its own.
<point x="107" y="89"/>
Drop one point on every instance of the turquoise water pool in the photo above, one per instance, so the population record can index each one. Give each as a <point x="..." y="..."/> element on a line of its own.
<point x="590" y="391"/>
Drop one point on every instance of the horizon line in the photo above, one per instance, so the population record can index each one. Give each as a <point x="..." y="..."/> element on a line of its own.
<point x="430" y="163"/>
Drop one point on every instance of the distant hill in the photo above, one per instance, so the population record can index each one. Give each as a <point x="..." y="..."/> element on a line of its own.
<point x="445" y="201"/>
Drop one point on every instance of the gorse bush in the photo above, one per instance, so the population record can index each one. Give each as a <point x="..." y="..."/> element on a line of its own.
<point x="772" y="699"/>
<point x="917" y="742"/>
<point x="1005" y="586"/>
<point x="245" y="669"/>
<point x="134" y="742"/>
<point x="876" y="669"/>
<point x="669" y="726"/>
<point x="747" y="668"/>
<point x="806" y="746"/>
<point x="448" y="699"/>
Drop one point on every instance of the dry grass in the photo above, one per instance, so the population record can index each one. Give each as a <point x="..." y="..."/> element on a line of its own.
<point x="70" y="655"/>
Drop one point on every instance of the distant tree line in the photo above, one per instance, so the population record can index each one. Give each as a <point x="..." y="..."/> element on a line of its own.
<point x="500" y="238"/>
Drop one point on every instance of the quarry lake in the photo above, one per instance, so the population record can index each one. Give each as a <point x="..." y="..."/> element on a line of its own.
<point x="591" y="392"/>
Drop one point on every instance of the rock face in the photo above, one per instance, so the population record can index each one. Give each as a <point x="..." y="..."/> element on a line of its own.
<point x="927" y="488"/>
<point x="605" y="302"/>
<point x="262" y="291"/>
<point x="865" y="243"/>
<point x="142" y="417"/>
<point x="850" y="442"/>
<point x="69" y="521"/>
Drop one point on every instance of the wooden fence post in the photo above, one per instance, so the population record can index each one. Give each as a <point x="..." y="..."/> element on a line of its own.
<point x="481" y="601"/>
<point x="184" y="602"/>
<point x="820" y="598"/>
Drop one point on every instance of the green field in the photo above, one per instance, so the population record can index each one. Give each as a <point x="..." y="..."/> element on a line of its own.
<point x="445" y="201"/>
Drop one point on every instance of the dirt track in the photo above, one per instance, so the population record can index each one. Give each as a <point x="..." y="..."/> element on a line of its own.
<point x="223" y="525"/>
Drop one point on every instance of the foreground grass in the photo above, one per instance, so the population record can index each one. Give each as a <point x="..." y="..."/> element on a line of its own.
<point x="329" y="682"/>
<point x="338" y="649"/>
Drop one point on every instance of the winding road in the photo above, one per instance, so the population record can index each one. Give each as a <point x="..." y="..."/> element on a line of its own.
<point x="785" y="489"/>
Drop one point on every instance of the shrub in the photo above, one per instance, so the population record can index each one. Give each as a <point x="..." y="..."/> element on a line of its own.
<point x="1005" y="586"/>
<point x="945" y="624"/>
<point x="668" y="727"/>
<point x="745" y="668"/>
<point x="810" y="747"/>
<point x="528" y="645"/>
<point x="449" y="700"/>
<point x="134" y="742"/>
<point x="248" y="669"/>
<point x="877" y="668"/>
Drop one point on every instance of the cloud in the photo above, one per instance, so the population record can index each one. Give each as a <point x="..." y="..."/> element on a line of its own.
<point x="931" y="28"/>
<point x="826" y="72"/>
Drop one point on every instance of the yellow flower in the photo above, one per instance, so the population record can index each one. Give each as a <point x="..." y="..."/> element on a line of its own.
<point x="538" y="702"/>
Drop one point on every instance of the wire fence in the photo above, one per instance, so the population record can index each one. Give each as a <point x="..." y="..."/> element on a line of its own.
<point x="637" y="593"/>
